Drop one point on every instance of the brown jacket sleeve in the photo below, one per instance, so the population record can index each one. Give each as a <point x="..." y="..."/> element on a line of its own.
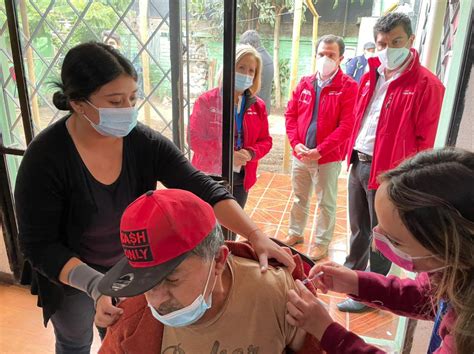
<point x="136" y="323"/>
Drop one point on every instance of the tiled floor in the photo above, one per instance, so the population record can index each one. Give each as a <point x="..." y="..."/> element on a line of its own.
<point x="21" y="324"/>
<point x="269" y="205"/>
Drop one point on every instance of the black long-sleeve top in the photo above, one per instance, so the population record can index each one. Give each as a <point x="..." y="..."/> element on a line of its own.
<point x="54" y="202"/>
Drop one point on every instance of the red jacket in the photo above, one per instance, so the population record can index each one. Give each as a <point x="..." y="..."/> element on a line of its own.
<point x="335" y="115"/>
<point x="408" y="119"/>
<point x="405" y="297"/>
<point x="124" y="336"/>
<point x="205" y="134"/>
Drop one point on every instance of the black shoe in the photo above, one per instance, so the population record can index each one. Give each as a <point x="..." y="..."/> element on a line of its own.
<point x="350" y="305"/>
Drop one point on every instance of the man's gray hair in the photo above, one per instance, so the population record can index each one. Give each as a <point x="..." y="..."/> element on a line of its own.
<point x="209" y="247"/>
<point x="251" y="37"/>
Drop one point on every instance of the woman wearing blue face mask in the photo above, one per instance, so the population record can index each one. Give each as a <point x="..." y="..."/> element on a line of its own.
<point x="252" y="138"/>
<point x="425" y="210"/>
<point x="77" y="177"/>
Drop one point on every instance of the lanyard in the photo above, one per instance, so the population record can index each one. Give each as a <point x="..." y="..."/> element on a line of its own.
<point x="435" y="340"/>
<point x="239" y="119"/>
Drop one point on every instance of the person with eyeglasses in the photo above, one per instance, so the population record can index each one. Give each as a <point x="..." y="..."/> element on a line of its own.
<point x="396" y="116"/>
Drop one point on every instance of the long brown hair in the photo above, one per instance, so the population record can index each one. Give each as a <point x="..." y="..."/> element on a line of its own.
<point x="434" y="195"/>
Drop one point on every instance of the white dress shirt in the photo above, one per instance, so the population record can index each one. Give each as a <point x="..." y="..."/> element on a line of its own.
<point x="366" y="138"/>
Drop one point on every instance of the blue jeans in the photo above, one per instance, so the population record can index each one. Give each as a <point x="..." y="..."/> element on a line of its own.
<point x="73" y="323"/>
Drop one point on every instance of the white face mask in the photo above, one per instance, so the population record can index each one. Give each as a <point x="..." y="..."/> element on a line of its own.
<point x="369" y="55"/>
<point x="326" y="66"/>
<point x="393" y="58"/>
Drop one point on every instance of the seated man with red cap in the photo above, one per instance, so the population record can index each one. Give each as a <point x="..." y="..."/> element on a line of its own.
<point x="197" y="297"/>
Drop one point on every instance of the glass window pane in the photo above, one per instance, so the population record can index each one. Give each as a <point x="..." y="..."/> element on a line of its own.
<point x="137" y="29"/>
<point x="205" y="62"/>
<point x="11" y="124"/>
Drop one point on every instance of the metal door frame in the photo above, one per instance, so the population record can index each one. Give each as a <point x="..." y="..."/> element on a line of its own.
<point x="461" y="89"/>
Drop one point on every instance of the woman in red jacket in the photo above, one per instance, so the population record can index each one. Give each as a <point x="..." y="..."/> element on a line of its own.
<point x="252" y="139"/>
<point x="425" y="209"/>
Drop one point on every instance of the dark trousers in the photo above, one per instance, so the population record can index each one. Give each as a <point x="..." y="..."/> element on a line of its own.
<point x="362" y="219"/>
<point x="238" y="190"/>
<point x="73" y="323"/>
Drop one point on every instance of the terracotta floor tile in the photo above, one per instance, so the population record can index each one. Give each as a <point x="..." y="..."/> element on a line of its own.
<point x="273" y="204"/>
<point x="285" y="220"/>
<point x="340" y="227"/>
<point x="21" y="324"/>
<point x="341" y="200"/>
<point x="342" y="222"/>
<point x="277" y="194"/>
<point x="341" y="214"/>
<point x="281" y="183"/>
<point x="376" y="323"/>
<point x="281" y="177"/>
<point x="265" y="177"/>
<point x="252" y="202"/>
<point x="337" y="315"/>
<point x="267" y="216"/>
<point x="268" y="229"/>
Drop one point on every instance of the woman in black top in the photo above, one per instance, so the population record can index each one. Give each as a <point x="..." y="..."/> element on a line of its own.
<point x="77" y="177"/>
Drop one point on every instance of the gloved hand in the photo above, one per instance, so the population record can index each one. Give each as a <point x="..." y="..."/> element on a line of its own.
<point x="87" y="279"/>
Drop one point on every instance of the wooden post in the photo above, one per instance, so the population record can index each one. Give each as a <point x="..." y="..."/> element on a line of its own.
<point x="434" y="36"/>
<point x="295" y="49"/>
<point x="143" y="21"/>
<point x="315" y="14"/>
<point x="276" y="58"/>
<point x="31" y="65"/>
<point x="211" y="74"/>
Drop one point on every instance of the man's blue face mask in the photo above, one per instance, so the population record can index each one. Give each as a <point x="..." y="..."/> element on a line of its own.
<point x="116" y="122"/>
<point x="189" y="314"/>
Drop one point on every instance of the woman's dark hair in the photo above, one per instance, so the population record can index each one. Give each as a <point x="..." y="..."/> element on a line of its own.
<point x="85" y="69"/>
<point x="433" y="193"/>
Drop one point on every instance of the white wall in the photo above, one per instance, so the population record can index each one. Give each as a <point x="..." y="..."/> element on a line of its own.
<point x="466" y="129"/>
<point x="366" y="32"/>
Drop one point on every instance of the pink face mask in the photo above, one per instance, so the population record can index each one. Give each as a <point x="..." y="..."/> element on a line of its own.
<point x="400" y="258"/>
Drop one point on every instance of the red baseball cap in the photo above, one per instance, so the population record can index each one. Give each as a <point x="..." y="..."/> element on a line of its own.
<point x="157" y="231"/>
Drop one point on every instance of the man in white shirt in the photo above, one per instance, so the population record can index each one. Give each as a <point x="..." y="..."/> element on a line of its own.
<point x="396" y="116"/>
